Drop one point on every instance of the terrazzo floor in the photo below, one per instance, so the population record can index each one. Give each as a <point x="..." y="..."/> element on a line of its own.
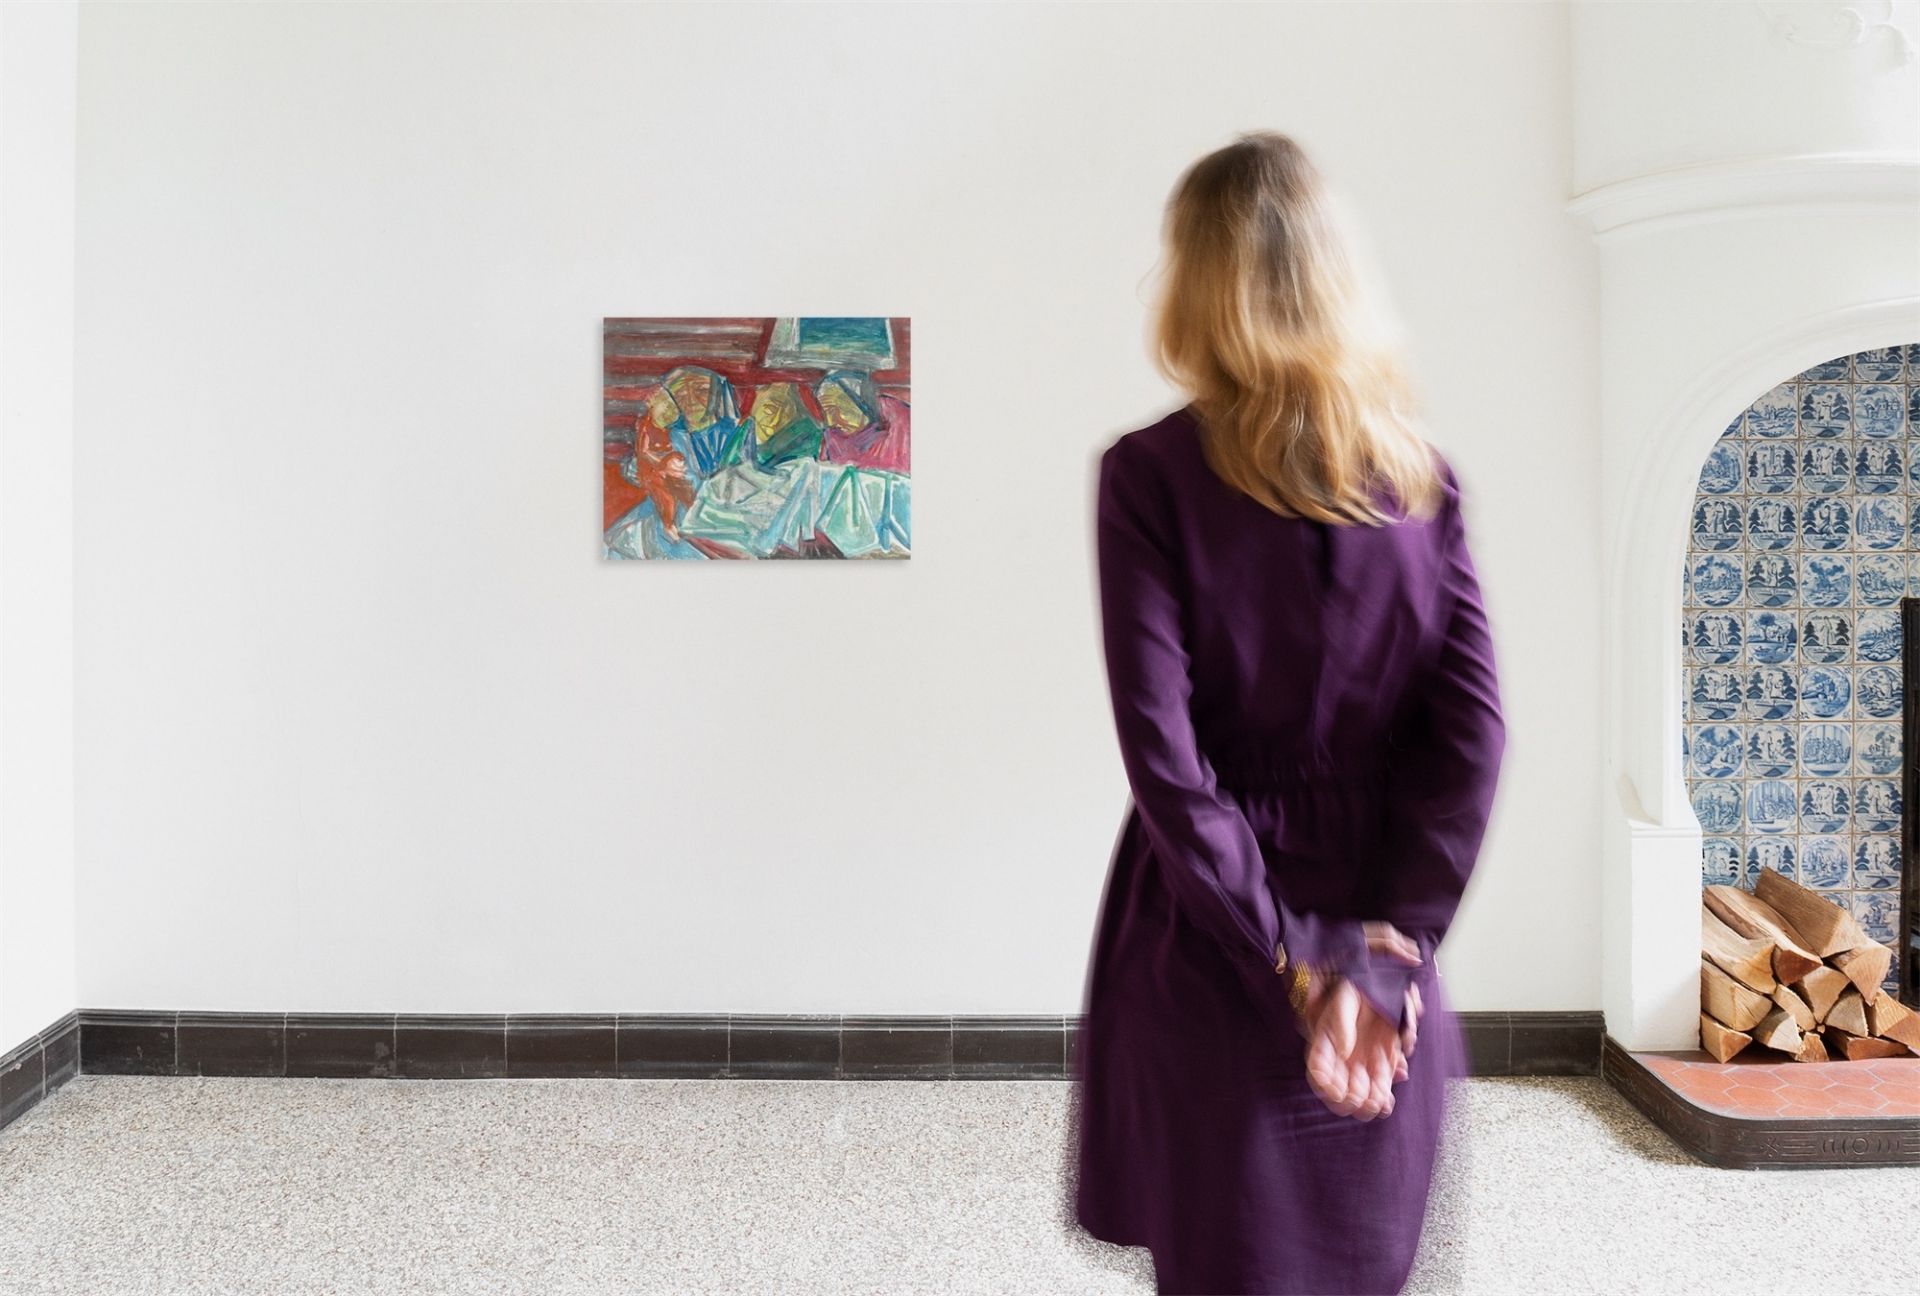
<point x="136" y="1186"/>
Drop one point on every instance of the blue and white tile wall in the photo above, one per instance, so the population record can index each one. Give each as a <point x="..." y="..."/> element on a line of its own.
<point x="1805" y="537"/>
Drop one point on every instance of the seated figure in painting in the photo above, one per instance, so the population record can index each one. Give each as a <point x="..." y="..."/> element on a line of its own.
<point x="677" y="438"/>
<point x="780" y="427"/>
<point x="864" y="427"/>
<point x="698" y="409"/>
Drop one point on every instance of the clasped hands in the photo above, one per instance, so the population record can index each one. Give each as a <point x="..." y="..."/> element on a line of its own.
<point x="1354" y="1055"/>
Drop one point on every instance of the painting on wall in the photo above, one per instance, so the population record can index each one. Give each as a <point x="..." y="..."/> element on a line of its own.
<point x="756" y="438"/>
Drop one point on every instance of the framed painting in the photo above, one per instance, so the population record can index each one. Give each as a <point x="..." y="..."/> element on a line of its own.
<point x="756" y="438"/>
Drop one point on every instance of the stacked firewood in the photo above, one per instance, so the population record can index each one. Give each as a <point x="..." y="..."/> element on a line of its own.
<point x="1784" y="967"/>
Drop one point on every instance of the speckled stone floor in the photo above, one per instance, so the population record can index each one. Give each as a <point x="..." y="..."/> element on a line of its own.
<point x="146" y="1186"/>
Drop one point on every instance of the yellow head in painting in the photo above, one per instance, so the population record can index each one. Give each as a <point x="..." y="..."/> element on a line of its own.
<point x="777" y="407"/>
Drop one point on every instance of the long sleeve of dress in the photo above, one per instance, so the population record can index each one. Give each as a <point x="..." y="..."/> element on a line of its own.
<point x="1211" y="858"/>
<point x="1446" y="763"/>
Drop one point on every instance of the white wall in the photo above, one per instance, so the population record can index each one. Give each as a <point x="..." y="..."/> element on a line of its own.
<point x="365" y="723"/>
<point x="37" y="68"/>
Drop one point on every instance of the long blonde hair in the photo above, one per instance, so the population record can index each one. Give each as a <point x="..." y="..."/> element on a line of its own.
<point x="1303" y="403"/>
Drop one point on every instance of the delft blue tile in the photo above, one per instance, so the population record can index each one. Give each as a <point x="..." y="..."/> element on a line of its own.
<point x="1879" y="579"/>
<point x="1826" y="637"/>
<point x="1772" y="467"/>
<point x="1826" y="692"/>
<point x="1718" y="807"/>
<point x="1716" y="523"/>
<point x="1770" y="580"/>
<point x="1774" y="414"/>
<point x="1771" y="638"/>
<point x="1825" y="467"/>
<point x="1876" y="862"/>
<point x="1716" y="694"/>
<point x="1716" y="638"/>
<point x="1825" y="749"/>
<point x="1735" y="429"/>
<point x="1774" y="853"/>
<point x="1771" y="806"/>
<point x="1769" y="524"/>
<point x="1880" y="522"/>
<point x="1723" y="471"/>
<point x="1878" y="365"/>
<point x="1878" y="468"/>
<point x="1826" y="580"/>
<point x="1913" y="412"/>
<point x="1771" y="693"/>
<point x="1824" y="805"/>
<point x="1877" y="911"/>
<point x="1877" y="749"/>
<point x="1879" y="411"/>
<point x="1876" y="806"/>
<point x="1835" y="370"/>
<point x="1825" y="410"/>
<point x="1771" y="750"/>
<point x="1877" y="691"/>
<point x="1826" y="524"/>
<point x="1716" y="581"/>
<point x="1715" y="751"/>
<point x="1823" y="862"/>
<point x="1720" y="861"/>
<point x="1879" y="636"/>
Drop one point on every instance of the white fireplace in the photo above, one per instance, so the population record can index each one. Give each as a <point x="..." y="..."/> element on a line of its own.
<point x="1780" y="230"/>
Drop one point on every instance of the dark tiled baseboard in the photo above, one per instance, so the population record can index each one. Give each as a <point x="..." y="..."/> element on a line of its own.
<point x="38" y="1066"/>
<point x="1759" y="1143"/>
<point x="640" y="1046"/>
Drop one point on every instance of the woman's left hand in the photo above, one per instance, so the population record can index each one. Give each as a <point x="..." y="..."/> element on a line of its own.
<point x="1353" y="1053"/>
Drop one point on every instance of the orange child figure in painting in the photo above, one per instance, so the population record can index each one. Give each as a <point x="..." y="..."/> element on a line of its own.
<point x="660" y="469"/>
<point x="656" y="470"/>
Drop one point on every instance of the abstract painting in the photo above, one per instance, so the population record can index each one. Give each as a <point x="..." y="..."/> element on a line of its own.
<point x="757" y="438"/>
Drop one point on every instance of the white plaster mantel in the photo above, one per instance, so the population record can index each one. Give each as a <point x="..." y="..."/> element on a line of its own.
<point x="1756" y="210"/>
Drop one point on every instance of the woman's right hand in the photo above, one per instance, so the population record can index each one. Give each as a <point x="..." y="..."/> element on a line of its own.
<point x="1385" y="938"/>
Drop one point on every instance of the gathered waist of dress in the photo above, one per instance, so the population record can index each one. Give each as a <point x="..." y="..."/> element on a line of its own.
<point x="1251" y="769"/>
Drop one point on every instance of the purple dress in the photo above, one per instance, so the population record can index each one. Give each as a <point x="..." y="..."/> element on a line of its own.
<point x="1310" y="725"/>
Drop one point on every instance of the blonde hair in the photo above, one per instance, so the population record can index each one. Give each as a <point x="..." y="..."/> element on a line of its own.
<point x="1303" y="403"/>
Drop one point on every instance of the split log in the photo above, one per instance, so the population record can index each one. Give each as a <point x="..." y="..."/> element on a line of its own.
<point x="1784" y="997"/>
<point x="1721" y="1042"/>
<point x="1823" y="926"/>
<point x="1888" y="1018"/>
<point x="1811" y="1049"/>
<point x="1753" y="917"/>
<point x="1730" y="1002"/>
<point x="1778" y="1032"/>
<point x="1821" y="987"/>
<point x="1849" y="1013"/>
<point x="1747" y="959"/>
<point x="1858" y="1048"/>
<point x="1866" y="966"/>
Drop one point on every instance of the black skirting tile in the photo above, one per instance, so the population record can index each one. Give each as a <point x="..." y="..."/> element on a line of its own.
<point x="1017" y="1048"/>
<point x="341" y="1045"/>
<point x="1556" y="1043"/>
<point x="561" y="1046"/>
<point x="447" y="1047"/>
<point x="231" y="1044"/>
<point x="1489" y="1037"/>
<point x="23" y="1077"/>
<point x="795" y="1046"/>
<point x="901" y="1048"/>
<point x="127" y="1043"/>
<point x="63" y="1053"/>
<point x="667" y="1046"/>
